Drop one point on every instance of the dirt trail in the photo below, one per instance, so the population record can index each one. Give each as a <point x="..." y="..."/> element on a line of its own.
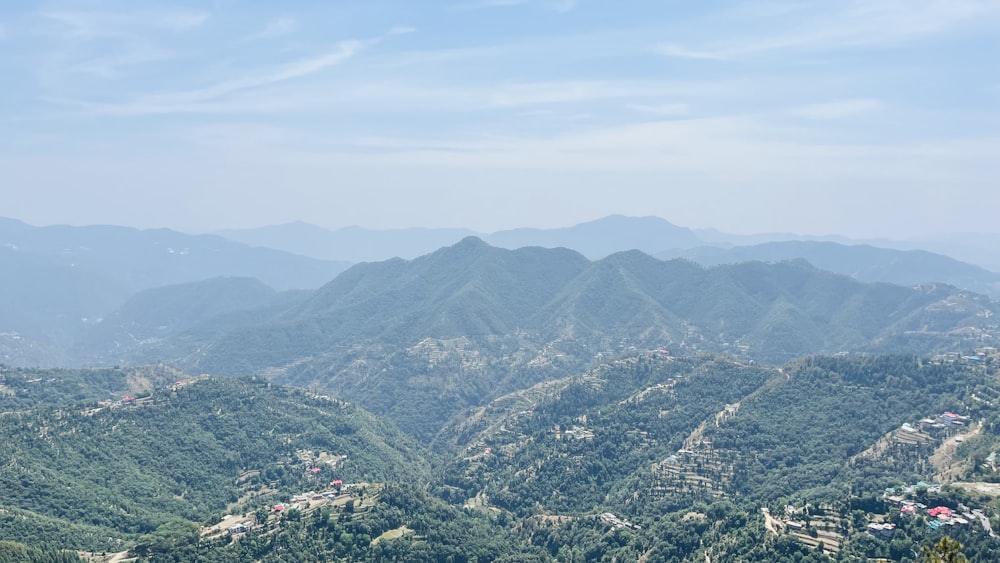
<point x="770" y="522"/>
<point x="943" y="457"/>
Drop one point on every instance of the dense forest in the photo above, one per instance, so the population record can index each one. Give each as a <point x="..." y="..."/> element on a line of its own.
<point x="83" y="473"/>
<point x="652" y="456"/>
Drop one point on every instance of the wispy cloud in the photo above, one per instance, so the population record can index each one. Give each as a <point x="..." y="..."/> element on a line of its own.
<point x="665" y="110"/>
<point x="839" y="109"/>
<point x="96" y="25"/>
<point x="489" y="4"/>
<point x="534" y="93"/>
<point x="844" y="25"/>
<point x="107" y="66"/>
<point x="194" y="100"/>
<point x="674" y="50"/>
<point x="276" y="28"/>
<point x="561" y="6"/>
<point x="104" y="43"/>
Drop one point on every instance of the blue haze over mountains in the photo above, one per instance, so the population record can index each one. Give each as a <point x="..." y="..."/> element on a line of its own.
<point x="901" y="262"/>
<point x="67" y="291"/>
<point x="506" y="317"/>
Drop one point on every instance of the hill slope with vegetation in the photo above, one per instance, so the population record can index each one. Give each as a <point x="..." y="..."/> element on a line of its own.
<point x="420" y="340"/>
<point x="651" y="457"/>
<point x="92" y="473"/>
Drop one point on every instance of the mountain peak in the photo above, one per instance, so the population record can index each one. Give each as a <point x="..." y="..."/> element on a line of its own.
<point x="471" y="241"/>
<point x="601" y="237"/>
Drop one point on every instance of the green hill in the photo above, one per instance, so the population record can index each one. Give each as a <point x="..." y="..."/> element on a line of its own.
<point x="420" y="340"/>
<point x="651" y="457"/>
<point x="30" y="388"/>
<point x="151" y="316"/>
<point x="686" y="451"/>
<point x="117" y="471"/>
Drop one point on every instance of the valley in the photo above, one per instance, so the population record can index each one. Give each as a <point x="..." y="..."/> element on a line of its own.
<point x="620" y="458"/>
<point x="505" y="281"/>
<point x="514" y="405"/>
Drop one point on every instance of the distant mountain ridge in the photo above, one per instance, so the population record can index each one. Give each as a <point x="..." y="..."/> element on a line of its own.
<point x="602" y="237"/>
<point x="447" y="330"/>
<point x="140" y="259"/>
<point x="351" y="244"/>
<point x="594" y="239"/>
<point x="57" y="281"/>
<point x="863" y="262"/>
<point x="889" y="261"/>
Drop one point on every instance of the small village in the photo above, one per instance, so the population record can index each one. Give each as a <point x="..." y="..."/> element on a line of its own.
<point x="815" y="525"/>
<point x="338" y="495"/>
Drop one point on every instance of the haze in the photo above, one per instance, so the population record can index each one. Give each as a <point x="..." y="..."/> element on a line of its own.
<point x="864" y="118"/>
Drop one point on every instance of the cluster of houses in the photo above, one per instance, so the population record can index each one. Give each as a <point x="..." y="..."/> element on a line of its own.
<point x="976" y="358"/>
<point x="337" y="487"/>
<point x="126" y="401"/>
<point x="240" y="528"/>
<point x="618" y="523"/>
<point x="937" y="516"/>
<point x="943" y="423"/>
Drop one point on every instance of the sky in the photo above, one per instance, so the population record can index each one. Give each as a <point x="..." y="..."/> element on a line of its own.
<point x="867" y="118"/>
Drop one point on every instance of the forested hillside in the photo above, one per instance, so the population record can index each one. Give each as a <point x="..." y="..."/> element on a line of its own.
<point x="652" y="457"/>
<point x="420" y="340"/>
<point x="711" y="441"/>
<point x="83" y="474"/>
<point x="531" y="405"/>
<point x="29" y="388"/>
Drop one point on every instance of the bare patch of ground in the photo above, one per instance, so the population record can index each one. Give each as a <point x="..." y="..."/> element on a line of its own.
<point x="943" y="458"/>
<point x="393" y="534"/>
<point x="991" y="489"/>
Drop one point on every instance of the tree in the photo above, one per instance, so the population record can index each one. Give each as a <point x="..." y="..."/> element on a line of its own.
<point x="947" y="550"/>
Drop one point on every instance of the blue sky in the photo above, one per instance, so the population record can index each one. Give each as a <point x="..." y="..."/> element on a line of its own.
<point x="874" y="118"/>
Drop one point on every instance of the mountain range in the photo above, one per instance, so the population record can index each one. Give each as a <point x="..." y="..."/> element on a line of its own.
<point x="594" y="239"/>
<point x="134" y="259"/>
<point x="899" y="262"/>
<point x="527" y="404"/>
<point x="58" y="281"/>
<point x="864" y="262"/>
<point x="465" y="323"/>
<point x="650" y="457"/>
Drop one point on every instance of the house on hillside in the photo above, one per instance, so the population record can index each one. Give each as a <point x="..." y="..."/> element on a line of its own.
<point x="939" y="511"/>
<point x="949" y="419"/>
<point x="883" y="531"/>
<point x="931" y="425"/>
